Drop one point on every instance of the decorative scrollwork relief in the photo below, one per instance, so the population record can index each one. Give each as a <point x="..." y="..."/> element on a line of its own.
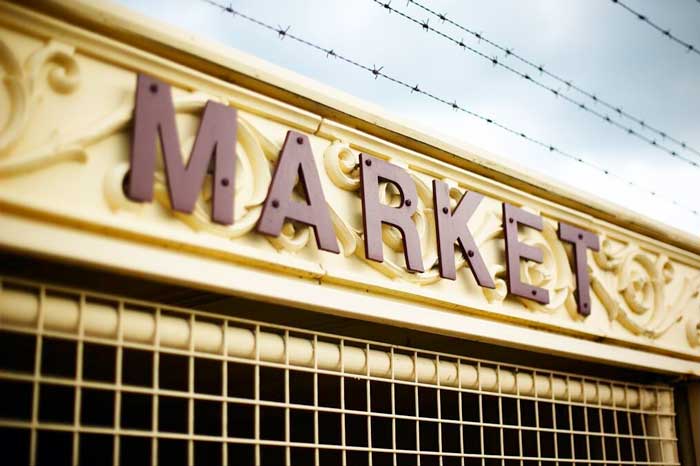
<point x="57" y="62"/>
<point x="633" y="287"/>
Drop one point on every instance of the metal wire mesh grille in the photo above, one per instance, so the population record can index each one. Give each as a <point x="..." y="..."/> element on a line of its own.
<point x="93" y="379"/>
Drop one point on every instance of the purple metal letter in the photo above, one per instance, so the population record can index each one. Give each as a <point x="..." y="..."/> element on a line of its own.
<point x="154" y="117"/>
<point x="296" y="159"/>
<point x="452" y="227"/>
<point x="582" y="240"/>
<point x="515" y="250"/>
<point x="374" y="213"/>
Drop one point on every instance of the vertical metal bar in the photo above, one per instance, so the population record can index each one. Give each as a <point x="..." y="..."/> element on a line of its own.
<point x="585" y="421"/>
<point x="79" y="380"/>
<point x="156" y="385"/>
<point x="369" y="405"/>
<point x="461" y="416"/>
<point x="614" y="415"/>
<point x="118" y="379"/>
<point x="393" y="408"/>
<point x="37" y="375"/>
<point x="287" y="436"/>
<point x="518" y="409"/>
<point x="499" y="380"/>
<point x="224" y="392"/>
<point x="643" y="421"/>
<point x="417" y="405"/>
<point x="538" y="432"/>
<point x="190" y="390"/>
<point x="481" y="414"/>
<point x="630" y="440"/>
<point x="658" y="425"/>
<point x="342" y="402"/>
<point x="257" y="396"/>
<point x="601" y="422"/>
<point x="552" y="400"/>
<point x="439" y="406"/>
<point x="317" y="459"/>
<point x="571" y="417"/>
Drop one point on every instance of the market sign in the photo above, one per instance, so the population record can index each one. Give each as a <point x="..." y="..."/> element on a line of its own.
<point x="214" y="151"/>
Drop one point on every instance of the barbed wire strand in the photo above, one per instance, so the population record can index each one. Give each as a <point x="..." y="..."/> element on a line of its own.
<point x="582" y="106"/>
<point x="377" y="72"/>
<point x="666" y="32"/>
<point x="617" y="109"/>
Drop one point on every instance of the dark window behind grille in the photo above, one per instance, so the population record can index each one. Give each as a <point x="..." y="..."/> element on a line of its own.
<point x="87" y="396"/>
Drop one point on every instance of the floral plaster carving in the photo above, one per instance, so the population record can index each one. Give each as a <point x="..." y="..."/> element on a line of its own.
<point x="55" y="62"/>
<point x="634" y="290"/>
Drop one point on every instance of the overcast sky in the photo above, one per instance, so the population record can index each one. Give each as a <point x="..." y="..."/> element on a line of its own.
<point x="594" y="43"/>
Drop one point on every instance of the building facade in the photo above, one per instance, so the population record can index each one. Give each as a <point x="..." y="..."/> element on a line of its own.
<point x="210" y="260"/>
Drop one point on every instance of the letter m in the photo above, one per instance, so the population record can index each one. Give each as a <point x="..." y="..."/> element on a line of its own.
<point x="154" y="119"/>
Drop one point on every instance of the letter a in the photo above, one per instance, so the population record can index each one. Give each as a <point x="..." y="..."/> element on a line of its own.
<point x="296" y="159"/>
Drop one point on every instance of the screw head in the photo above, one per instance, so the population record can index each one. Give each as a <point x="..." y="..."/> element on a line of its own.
<point x="510" y="220"/>
<point x="445" y="210"/>
<point x="275" y="203"/>
<point x="224" y="181"/>
<point x="580" y="236"/>
<point x="408" y="202"/>
<point x="368" y="162"/>
<point x="534" y="292"/>
<point x="153" y="88"/>
<point x="470" y="253"/>
<point x="300" y="140"/>
<point x="585" y="305"/>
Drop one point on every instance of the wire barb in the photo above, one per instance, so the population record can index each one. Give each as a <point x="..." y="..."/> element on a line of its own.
<point x="282" y="32"/>
<point x="377" y="72"/>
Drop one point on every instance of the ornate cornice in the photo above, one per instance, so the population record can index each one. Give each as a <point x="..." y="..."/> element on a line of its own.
<point x="644" y="295"/>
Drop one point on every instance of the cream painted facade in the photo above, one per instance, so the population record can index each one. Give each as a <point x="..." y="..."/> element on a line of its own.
<point x="70" y="72"/>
